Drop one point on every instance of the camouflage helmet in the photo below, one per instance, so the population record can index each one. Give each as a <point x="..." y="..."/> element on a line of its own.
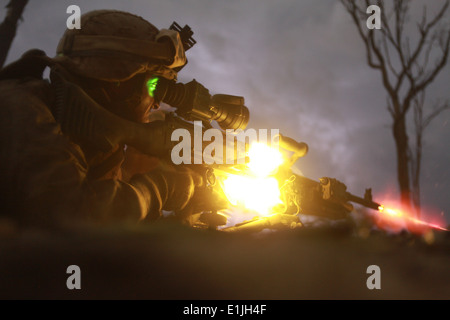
<point x="115" y="46"/>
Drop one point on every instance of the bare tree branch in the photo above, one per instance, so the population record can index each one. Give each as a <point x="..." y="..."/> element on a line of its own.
<point x="421" y="122"/>
<point x="9" y="26"/>
<point x="435" y="112"/>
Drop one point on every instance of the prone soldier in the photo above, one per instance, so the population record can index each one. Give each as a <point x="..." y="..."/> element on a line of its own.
<point x="52" y="172"/>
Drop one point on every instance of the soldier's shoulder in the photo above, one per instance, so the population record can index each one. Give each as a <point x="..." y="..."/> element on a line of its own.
<point x="28" y="95"/>
<point x="19" y="89"/>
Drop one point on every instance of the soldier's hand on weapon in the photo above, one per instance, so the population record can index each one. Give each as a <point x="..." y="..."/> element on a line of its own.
<point x="188" y="190"/>
<point x="207" y="199"/>
<point x="202" y="209"/>
<point x="183" y="185"/>
<point x="167" y="188"/>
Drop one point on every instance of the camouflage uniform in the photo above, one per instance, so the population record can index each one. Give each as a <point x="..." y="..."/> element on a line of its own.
<point x="46" y="177"/>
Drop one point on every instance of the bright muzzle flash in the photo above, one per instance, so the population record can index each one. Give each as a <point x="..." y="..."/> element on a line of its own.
<point x="257" y="190"/>
<point x="264" y="160"/>
<point x="395" y="214"/>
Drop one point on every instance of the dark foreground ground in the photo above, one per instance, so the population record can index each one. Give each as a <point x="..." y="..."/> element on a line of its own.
<point x="167" y="261"/>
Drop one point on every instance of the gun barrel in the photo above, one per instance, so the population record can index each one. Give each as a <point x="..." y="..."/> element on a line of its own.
<point x="364" y="202"/>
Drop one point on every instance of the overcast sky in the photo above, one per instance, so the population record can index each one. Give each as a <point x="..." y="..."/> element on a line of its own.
<point x="301" y="67"/>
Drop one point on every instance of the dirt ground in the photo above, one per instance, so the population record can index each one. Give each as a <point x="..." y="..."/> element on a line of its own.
<point x="168" y="261"/>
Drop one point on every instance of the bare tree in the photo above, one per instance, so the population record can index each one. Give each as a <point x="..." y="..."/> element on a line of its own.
<point x="406" y="72"/>
<point x="421" y="122"/>
<point x="9" y="26"/>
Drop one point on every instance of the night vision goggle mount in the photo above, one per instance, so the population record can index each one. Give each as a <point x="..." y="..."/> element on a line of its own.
<point x="193" y="101"/>
<point x="185" y="35"/>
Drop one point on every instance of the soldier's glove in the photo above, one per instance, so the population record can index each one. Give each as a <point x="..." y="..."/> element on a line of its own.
<point x="169" y="188"/>
<point x="206" y="199"/>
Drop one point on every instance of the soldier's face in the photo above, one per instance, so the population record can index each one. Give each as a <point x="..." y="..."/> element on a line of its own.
<point x="147" y="103"/>
<point x="131" y="99"/>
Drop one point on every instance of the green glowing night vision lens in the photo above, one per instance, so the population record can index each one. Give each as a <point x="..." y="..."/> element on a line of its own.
<point x="151" y="86"/>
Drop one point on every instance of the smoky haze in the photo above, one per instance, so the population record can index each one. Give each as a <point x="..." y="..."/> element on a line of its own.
<point x="301" y="67"/>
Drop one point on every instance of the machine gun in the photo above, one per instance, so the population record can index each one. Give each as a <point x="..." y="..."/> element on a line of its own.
<point x="326" y="198"/>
